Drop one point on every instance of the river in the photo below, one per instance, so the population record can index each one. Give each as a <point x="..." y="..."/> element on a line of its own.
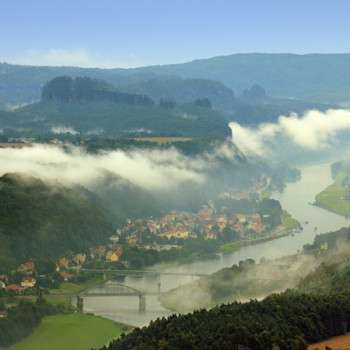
<point x="295" y="199"/>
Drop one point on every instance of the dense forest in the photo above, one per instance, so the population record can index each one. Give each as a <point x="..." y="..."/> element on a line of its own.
<point x="287" y="321"/>
<point x="41" y="220"/>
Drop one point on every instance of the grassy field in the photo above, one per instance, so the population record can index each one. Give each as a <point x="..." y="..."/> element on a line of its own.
<point x="233" y="246"/>
<point x="289" y="222"/>
<point x="70" y="332"/>
<point x="332" y="198"/>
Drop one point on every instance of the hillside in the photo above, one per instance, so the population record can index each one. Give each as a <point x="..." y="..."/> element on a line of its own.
<point x="318" y="309"/>
<point x="40" y="220"/>
<point x="288" y="321"/>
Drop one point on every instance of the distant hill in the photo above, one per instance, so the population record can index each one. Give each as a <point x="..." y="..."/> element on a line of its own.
<point x="87" y="105"/>
<point x="184" y="90"/>
<point x="314" y="77"/>
<point x="68" y="89"/>
<point x="196" y="108"/>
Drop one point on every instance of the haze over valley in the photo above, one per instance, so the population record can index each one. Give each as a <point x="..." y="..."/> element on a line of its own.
<point x="174" y="176"/>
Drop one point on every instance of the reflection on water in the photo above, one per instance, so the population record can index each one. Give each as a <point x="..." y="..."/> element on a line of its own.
<point x="295" y="198"/>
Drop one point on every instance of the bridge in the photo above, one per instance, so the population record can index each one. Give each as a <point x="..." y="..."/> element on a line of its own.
<point x="145" y="272"/>
<point x="112" y="288"/>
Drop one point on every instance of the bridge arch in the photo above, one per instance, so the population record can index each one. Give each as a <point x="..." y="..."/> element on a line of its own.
<point x="111" y="288"/>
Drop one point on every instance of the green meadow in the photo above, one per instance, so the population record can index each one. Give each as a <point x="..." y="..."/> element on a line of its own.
<point x="71" y="332"/>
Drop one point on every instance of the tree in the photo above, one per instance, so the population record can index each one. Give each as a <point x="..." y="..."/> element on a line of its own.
<point x="229" y="234"/>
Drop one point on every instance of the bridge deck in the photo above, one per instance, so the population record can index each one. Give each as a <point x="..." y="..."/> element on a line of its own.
<point x="146" y="272"/>
<point x="117" y="294"/>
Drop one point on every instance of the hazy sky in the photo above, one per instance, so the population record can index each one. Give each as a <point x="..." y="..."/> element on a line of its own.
<point x="125" y="33"/>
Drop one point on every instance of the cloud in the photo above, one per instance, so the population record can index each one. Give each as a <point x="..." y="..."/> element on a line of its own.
<point x="68" y="57"/>
<point x="153" y="170"/>
<point x="315" y="130"/>
<point x="60" y="129"/>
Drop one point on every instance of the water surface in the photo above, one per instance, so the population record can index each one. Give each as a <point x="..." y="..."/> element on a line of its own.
<point x="296" y="199"/>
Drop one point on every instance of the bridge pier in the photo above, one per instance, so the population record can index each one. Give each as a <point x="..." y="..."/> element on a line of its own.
<point x="80" y="304"/>
<point x="142" y="303"/>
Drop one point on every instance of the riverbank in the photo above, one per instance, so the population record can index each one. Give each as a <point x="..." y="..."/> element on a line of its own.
<point x="295" y="198"/>
<point x="81" y="332"/>
<point x="236" y="246"/>
<point x="335" y="198"/>
<point x="241" y="282"/>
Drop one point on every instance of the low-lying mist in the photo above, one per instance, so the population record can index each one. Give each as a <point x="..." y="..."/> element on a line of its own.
<point x="313" y="132"/>
<point x="154" y="170"/>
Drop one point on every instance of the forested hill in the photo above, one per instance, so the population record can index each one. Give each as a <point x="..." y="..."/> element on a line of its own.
<point x="317" y="310"/>
<point x="87" y="105"/>
<point x="288" y="321"/>
<point x="38" y="220"/>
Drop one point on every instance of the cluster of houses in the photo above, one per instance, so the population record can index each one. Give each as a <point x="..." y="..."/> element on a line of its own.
<point x="66" y="267"/>
<point x="107" y="253"/>
<point x="207" y="224"/>
<point x="28" y="281"/>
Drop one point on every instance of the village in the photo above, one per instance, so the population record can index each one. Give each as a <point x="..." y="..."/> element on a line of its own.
<point x="165" y="233"/>
<point x="206" y="224"/>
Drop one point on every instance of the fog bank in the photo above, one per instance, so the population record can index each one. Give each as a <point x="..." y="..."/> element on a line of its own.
<point x="313" y="131"/>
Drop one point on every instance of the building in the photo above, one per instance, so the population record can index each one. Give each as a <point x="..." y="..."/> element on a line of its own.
<point x="27" y="268"/>
<point x="28" y="282"/>
<point x="114" y="255"/>
<point x="63" y="264"/>
<point x="15" y="288"/>
<point x="80" y="259"/>
<point x="66" y="276"/>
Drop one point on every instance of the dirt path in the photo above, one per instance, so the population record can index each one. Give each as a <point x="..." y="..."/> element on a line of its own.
<point x="337" y="343"/>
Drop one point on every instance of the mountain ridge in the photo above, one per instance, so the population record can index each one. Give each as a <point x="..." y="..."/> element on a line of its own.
<point x="313" y="77"/>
